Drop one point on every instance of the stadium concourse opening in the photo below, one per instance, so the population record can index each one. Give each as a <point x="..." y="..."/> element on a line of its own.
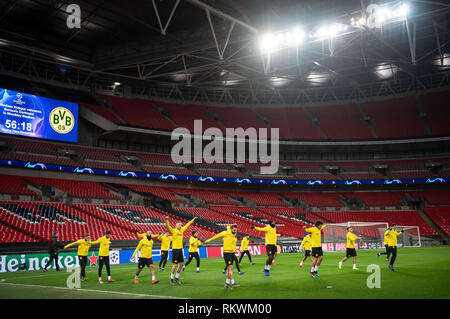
<point x="349" y="98"/>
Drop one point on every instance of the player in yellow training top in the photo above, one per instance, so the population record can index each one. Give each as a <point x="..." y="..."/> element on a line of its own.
<point x="244" y="249"/>
<point x="393" y="234"/>
<point x="386" y="244"/>
<point x="351" y="250"/>
<point x="316" y="244"/>
<point x="306" y="243"/>
<point x="103" y="255"/>
<point x="165" y="240"/>
<point x="270" y="242"/>
<point x="177" y="248"/>
<point x="194" y="242"/>
<point x="83" y="249"/>
<point x="229" y="248"/>
<point x="145" y="259"/>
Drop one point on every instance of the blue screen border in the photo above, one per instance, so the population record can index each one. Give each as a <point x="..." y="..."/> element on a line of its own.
<point x="99" y="171"/>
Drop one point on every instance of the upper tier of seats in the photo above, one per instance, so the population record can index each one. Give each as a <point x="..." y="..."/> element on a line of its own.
<point x="395" y="117"/>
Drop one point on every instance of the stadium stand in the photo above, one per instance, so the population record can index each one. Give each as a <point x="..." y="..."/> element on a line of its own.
<point x="437" y="112"/>
<point x="440" y="215"/>
<point x="394" y="118"/>
<point x="341" y="122"/>
<point x="292" y="122"/>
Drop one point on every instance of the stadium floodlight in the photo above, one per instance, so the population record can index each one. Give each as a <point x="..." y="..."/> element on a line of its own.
<point x="273" y="41"/>
<point x="386" y="70"/>
<point x="267" y="43"/>
<point x="329" y="31"/>
<point x="278" y="81"/>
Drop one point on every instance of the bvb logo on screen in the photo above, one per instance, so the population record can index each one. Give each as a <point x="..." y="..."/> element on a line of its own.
<point x="62" y="120"/>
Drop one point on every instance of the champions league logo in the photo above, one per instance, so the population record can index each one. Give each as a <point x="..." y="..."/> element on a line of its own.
<point x="83" y="170"/>
<point x="394" y="181"/>
<point x="36" y="165"/>
<point x="19" y="101"/>
<point x="163" y="176"/>
<point x="353" y="182"/>
<point x="439" y="180"/>
<point x="122" y="173"/>
<point x="243" y="180"/>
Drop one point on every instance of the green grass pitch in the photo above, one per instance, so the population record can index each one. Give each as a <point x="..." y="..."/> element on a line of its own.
<point x="419" y="273"/>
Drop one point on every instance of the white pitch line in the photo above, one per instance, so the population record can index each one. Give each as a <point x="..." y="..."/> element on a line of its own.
<point x="94" y="290"/>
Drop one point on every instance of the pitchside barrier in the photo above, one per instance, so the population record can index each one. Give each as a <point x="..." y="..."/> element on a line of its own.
<point x="12" y="263"/>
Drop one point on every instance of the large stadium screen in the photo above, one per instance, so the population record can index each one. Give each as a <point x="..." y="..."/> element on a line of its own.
<point x="39" y="117"/>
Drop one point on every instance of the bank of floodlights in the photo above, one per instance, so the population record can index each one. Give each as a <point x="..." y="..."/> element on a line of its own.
<point x="375" y="16"/>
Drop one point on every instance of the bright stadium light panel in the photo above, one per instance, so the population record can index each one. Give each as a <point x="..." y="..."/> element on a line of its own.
<point x="317" y="78"/>
<point x="386" y="71"/>
<point x="442" y="61"/>
<point x="267" y="43"/>
<point x="278" y="82"/>
<point x="275" y="41"/>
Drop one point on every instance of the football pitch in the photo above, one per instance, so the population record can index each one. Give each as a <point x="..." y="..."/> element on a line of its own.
<point x="419" y="273"/>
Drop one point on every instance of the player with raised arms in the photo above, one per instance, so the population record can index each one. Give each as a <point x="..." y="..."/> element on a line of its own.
<point x="270" y="242"/>
<point x="103" y="254"/>
<point x="83" y="250"/>
<point x="229" y="248"/>
<point x="393" y="234"/>
<point x="316" y="243"/>
<point x="145" y="259"/>
<point x="194" y="242"/>
<point x="177" y="248"/>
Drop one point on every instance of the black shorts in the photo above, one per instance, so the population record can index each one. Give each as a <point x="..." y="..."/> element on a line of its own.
<point x="317" y="252"/>
<point x="194" y="255"/>
<point x="351" y="252"/>
<point x="229" y="258"/>
<point x="145" y="262"/>
<point x="177" y="256"/>
<point x="307" y="253"/>
<point x="271" y="249"/>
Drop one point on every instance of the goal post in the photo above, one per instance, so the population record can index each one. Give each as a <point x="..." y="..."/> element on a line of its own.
<point x="410" y="236"/>
<point x="371" y="233"/>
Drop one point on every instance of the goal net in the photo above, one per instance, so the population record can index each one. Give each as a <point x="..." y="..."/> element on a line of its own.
<point x="335" y="235"/>
<point x="410" y="236"/>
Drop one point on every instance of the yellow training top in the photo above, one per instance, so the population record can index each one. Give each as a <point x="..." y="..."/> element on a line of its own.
<point x="387" y="237"/>
<point x="193" y="244"/>
<point x="316" y="237"/>
<point x="306" y="242"/>
<point x="393" y="234"/>
<point x="351" y="238"/>
<point x="177" y="235"/>
<point x="145" y="246"/>
<point x="83" y="246"/>
<point x="165" y="242"/>
<point x="104" y="246"/>
<point x="244" y="244"/>
<point x="229" y="240"/>
<point x="271" y="234"/>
